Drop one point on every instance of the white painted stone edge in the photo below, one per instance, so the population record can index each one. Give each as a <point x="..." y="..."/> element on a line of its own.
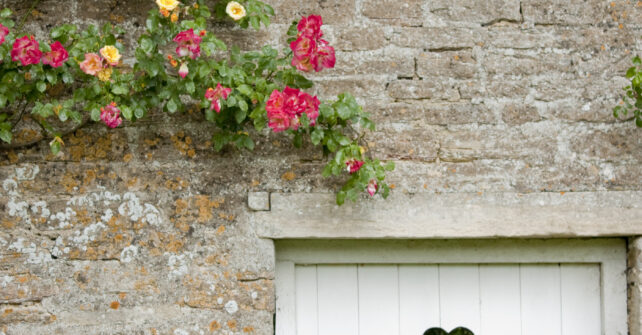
<point x="453" y="215"/>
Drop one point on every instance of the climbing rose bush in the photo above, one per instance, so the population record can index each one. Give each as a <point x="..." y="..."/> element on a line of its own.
<point x="78" y="75"/>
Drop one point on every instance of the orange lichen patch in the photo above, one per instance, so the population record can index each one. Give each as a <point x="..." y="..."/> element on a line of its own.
<point x="183" y="144"/>
<point x="69" y="182"/>
<point x="288" y="176"/>
<point x="8" y="224"/>
<point x="116" y="18"/>
<point x="149" y="156"/>
<point x="152" y="142"/>
<point x="27" y="135"/>
<point x="146" y="285"/>
<point x="176" y="184"/>
<point x="182" y="226"/>
<point x="248" y="329"/>
<point x="220" y="230"/>
<point x="90" y="176"/>
<point x="122" y="295"/>
<point x="7" y="311"/>
<point x="255" y="183"/>
<point x="228" y="217"/>
<point x="392" y="186"/>
<point x="154" y="331"/>
<point x="205" y="206"/>
<point x="231" y="324"/>
<point x="114" y="305"/>
<point x="181" y="206"/>
<point x="131" y="183"/>
<point x="214" y="326"/>
<point x="13" y="158"/>
<point x="127" y="158"/>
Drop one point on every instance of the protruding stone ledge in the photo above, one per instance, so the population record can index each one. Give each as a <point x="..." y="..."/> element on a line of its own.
<point x="454" y="215"/>
<point x="258" y="201"/>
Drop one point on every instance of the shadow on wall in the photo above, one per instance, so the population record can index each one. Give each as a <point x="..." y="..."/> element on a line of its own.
<point x="456" y="331"/>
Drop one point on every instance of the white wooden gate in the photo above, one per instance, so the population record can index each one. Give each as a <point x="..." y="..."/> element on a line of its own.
<point x="381" y="288"/>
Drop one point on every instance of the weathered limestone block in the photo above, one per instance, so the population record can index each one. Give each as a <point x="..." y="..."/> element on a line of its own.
<point x="422" y="113"/>
<point x="422" y="89"/>
<point x="436" y="39"/>
<point x="332" y="11"/>
<point x="379" y="62"/>
<point x="569" y="12"/>
<point x="403" y="142"/>
<point x="449" y="64"/>
<point x="349" y="38"/>
<point x="482" y="12"/>
<point x="405" y="13"/>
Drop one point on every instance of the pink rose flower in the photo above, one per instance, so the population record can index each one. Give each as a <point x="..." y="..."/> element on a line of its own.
<point x="110" y="115"/>
<point x="26" y="50"/>
<point x="183" y="70"/>
<point x="309" y="51"/>
<point x="215" y="94"/>
<point x="279" y="121"/>
<point x="188" y="44"/>
<point x="354" y="165"/>
<point x="310" y="106"/>
<point x="310" y="27"/>
<point x="325" y="55"/>
<point x="284" y="109"/>
<point x="372" y="187"/>
<point x="4" y="31"/>
<point x="57" y="56"/>
<point x="92" y="64"/>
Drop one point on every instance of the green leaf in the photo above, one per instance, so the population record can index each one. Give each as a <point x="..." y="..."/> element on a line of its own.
<point x="341" y="198"/>
<point x="147" y="44"/>
<point x="67" y="78"/>
<point x="245" y="89"/>
<point x="248" y="143"/>
<point x="95" y="114"/>
<point x="6" y="12"/>
<point x="41" y="86"/>
<point x="638" y="121"/>
<point x="54" y="146"/>
<point x="630" y="72"/>
<point x="243" y="105"/>
<point x="240" y="115"/>
<point x="343" y="111"/>
<point x="254" y="21"/>
<point x="189" y="86"/>
<point x="317" y="136"/>
<point x="637" y="61"/>
<point x="51" y="77"/>
<point x="389" y="166"/>
<point x="172" y="106"/>
<point x="127" y="112"/>
<point x="5" y="135"/>
<point x="119" y="89"/>
<point x="297" y="140"/>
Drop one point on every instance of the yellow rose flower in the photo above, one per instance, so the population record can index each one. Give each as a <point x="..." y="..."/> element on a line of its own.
<point x="110" y="54"/>
<point x="104" y="74"/>
<point x="167" y="5"/>
<point x="235" y="10"/>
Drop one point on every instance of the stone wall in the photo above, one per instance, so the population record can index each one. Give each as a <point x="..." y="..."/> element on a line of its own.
<point x="145" y="230"/>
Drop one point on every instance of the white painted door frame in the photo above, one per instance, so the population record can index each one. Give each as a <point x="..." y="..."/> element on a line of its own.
<point x="610" y="254"/>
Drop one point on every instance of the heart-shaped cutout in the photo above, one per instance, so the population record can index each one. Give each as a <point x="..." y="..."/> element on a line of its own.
<point x="456" y="331"/>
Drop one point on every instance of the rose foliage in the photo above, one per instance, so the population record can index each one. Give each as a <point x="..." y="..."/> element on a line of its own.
<point x="632" y="100"/>
<point x="78" y="75"/>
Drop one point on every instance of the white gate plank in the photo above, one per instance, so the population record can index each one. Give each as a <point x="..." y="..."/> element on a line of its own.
<point x="306" y="299"/>
<point x="338" y="300"/>
<point x="581" y="313"/>
<point x="500" y="299"/>
<point x="418" y="298"/>
<point x="285" y="300"/>
<point x="541" y="300"/>
<point x="459" y="296"/>
<point x="378" y="300"/>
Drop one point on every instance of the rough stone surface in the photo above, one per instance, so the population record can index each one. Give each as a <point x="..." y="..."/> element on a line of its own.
<point x="144" y="229"/>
